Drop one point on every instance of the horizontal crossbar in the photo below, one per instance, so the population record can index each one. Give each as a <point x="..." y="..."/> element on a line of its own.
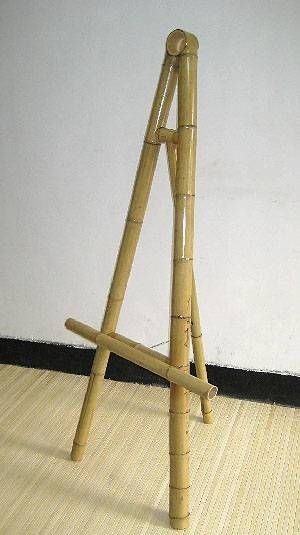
<point x="146" y="358"/>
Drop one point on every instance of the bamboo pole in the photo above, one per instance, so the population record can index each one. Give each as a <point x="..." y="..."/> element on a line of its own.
<point x="91" y="334"/>
<point x="152" y="361"/>
<point x="158" y="117"/>
<point x="157" y="366"/>
<point x="167" y="135"/>
<point x="198" y="350"/>
<point x="185" y="46"/>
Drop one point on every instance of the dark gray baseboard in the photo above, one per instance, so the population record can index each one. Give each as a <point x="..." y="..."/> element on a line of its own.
<point x="262" y="386"/>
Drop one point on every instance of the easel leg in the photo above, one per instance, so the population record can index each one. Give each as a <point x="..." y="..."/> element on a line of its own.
<point x="182" y="284"/>
<point x="159" y="114"/>
<point x="199" y="354"/>
<point x="195" y="324"/>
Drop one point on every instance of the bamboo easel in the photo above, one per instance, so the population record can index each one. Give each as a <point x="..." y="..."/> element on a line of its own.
<point x="180" y="63"/>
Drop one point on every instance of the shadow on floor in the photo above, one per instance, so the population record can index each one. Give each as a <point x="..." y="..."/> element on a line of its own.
<point x="97" y="493"/>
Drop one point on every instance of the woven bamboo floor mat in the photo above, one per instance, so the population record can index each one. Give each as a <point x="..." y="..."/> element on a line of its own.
<point x="244" y="467"/>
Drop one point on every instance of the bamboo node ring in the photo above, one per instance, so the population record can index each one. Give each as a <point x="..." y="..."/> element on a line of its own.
<point x="183" y="259"/>
<point x="190" y="54"/>
<point x="179" y="454"/>
<point x="185" y="195"/>
<point x="180" y="317"/>
<point x="151" y="142"/>
<point x="179" y="488"/>
<point x="136" y="221"/>
<point x="187" y="126"/>
<point x="179" y="517"/>
<point x="176" y="412"/>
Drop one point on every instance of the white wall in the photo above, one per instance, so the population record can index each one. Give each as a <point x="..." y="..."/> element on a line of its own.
<point x="77" y="81"/>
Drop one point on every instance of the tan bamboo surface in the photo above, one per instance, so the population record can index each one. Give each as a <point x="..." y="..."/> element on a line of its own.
<point x="167" y="135"/>
<point x="198" y="351"/>
<point x="158" y="117"/>
<point x="158" y="366"/>
<point x="91" y="334"/>
<point x="185" y="45"/>
<point x="155" y="363"/>
<point x="196" y="333"/>
<point x="181" y="56"/>
<point x="244" y="468"/>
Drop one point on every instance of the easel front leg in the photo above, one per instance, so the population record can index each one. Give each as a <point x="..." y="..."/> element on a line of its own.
<point x="185" y="45"/>
<point x="158" y="117"/>
<point x="196" y="333"/>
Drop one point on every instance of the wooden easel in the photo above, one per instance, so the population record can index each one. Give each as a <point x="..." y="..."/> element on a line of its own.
<point x="180" y="64"/>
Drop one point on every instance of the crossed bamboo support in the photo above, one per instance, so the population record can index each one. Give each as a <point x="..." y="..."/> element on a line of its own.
<point x="179" y="66"/>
